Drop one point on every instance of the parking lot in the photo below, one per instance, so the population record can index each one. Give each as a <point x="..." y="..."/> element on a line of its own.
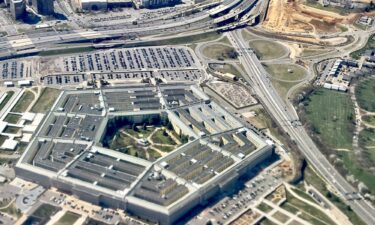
<point x="123" y="59"/>
<point x="231" y="207"/>
<point x="15" y="70"/>
<point x="169" y="64"/>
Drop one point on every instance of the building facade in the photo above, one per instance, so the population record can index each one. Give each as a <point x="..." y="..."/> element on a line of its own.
<point x="17" y="8"/>
<point x="43" y="7"/>
<point x="158" y="3"/>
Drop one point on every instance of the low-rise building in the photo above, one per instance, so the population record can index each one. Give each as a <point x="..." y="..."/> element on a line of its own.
<point x="68" y="151"/>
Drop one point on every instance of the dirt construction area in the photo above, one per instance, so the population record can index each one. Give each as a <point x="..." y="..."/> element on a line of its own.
<point x="295" y="17"/>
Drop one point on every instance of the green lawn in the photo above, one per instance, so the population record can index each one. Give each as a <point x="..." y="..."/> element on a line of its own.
<point x="228" y="68"/>
<point x="12" y="118"/>
<point x="140" y="132"/>
<point x="369" y="119"/>
<point x="6" y="100"/>
<point x="46" y="211"/>
<point x="11" y="129"/>
<point x="68" y="218"/>
<point x="357" y="170"/>
<point x="313" y="179"/>
<point x="313" y="215"/>
<point x="248" y="36"/>
<point x="266" y="221"/>
<point x="369" y="45"/>
<point x="306" y="52"/>
<point x="165" y="148"/>
<point x="280" y="71"/>
<point x="281" y="217"/>
<point x="12" y="210"/>
<point x="24" y="102"/>
<point x="313" y="220"/>
<point x="205" y="37"/>
<point x="304" y="195"/>
<point x="125" y="144"/>
<point x="331" y="114"/>
<point x="282" y="79"/>
<point x="282" y="87"/>
<point x="47" y="97"/>
<point x="153" y="154"/>
<point x="367" y="140"/>
<point x="305" y="208"/>
<point x="67" y="50"/>
<point x="365" y="93"/>
<point x="220" y="52"/>
<point x="289" y="207"/>
<point x="162" y="137"/>
<point x="2" y="139"/>
<point x="264" y="207"/>
<point x="266" y="50"/>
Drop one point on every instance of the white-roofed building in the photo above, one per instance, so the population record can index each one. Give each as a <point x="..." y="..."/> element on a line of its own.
<point x="9" y="144"/>
<point x="28" y="116"/>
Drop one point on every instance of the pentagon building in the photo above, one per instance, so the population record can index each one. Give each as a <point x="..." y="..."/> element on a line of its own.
<point x="67" y="152"/>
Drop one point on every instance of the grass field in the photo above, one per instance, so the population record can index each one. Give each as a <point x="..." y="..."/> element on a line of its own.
<point x="355" y="168"/>
<point x="266" y="221"/>
<point x="369" y="119"/>
<point x="266" y="50"/>
<point x="12" y="210"/>
<point x="164" y="148"/>
<point x="282" y="87"/>
<point x="68" y="218"/>
<point x="121" y="141"/>
<point x="11" y="130"/>
<point x="2" y="139"/>
<point x="12" y="118"/>
<point x="369" y="45"/>
<point x="228" y="68"/>
<point x="313" y="179"/>
<point x="309" y="213"/>
<point x="125" y="144"/>
<point x="264" y="207"/>
<point x="209" y="36"/>
<point x="67" y="50"/>
<point x="220" y="52"/>
<point x="144" y="133"/>
<point x="367" y="143"/>
<point x="312" y="52"/>
<point x="280" y="71"/>
<point x="330" y="114"/>
<point x="248" y="36"/>
<point x="6" y="100"/>
<point x="44" y="103"/>
<point x="365" y="93"/>
<point x="367" y="140"/>
<point x="304" y="195"/>
<point x="282" y="79"/>
<point x="159" y="137"/>
<point x="24" y="102"/>
<point x="281" y="217"/>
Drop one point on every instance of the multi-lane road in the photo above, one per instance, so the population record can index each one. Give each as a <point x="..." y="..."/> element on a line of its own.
<point x="200" y="22"/>
<point x="288" y="120"/>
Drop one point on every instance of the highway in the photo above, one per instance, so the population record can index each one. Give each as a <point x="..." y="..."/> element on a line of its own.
<point x="13" y="45"/>
<point x="288" y="120"/>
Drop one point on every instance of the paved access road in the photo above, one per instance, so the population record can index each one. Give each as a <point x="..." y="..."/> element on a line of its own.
<point x="289" y="121"/>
